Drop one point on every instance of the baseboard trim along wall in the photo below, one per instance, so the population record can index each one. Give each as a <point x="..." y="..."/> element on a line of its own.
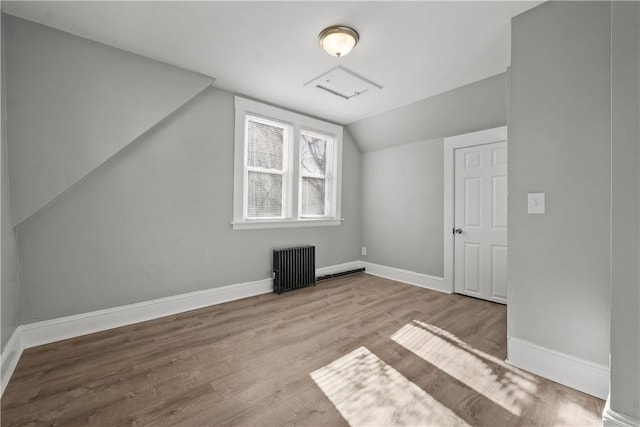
<point x="584" y="375"/>
<point x="611" y="418"/>
<point x="10" y="357"/>
<point x="568" y="370"/>
<point x="410" y="277"/>
<point x="48" y="331"/>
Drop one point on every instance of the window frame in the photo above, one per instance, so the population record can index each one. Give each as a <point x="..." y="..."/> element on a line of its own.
<point x="292" y="190"/>
<point x="328" y="176"/>
<point x="285" y="173"/>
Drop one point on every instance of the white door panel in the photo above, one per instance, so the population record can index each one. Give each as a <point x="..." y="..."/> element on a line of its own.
<point x="472" y="267"/>
<point x="499" y="272"/>
<point x="480" y="247"/>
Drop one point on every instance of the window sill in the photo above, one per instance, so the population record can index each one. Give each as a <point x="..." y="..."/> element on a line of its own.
<point x="285" y="223"/>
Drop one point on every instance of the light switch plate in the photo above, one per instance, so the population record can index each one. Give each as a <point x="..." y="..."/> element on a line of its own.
<point x="535" y="203"/>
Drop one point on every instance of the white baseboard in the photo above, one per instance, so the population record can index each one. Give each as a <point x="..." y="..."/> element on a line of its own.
<point x="48" y="331"/>
<point x="9" y="360"/>
<point x="62" y="328"/>
<point x="406" y="276"/>
<point x="611" y="418"/>
<point x="584" y="375"/>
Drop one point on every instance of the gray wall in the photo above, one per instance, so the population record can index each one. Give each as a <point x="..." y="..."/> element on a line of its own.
<point x="50" y="148"/>
<point x="402" y="184"/>
<point x="9" y="272"/>
<point x="559" y="143"/>
<point x="153" y="221"/>
<point x="8" y="251"/>
<point x="476" y="106"/>
<point x="402" y="207"/>
<point x="625" y="239"/>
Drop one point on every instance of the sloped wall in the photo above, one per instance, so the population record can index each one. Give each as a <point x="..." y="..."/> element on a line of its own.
<point x="154" y="219"/>
<point x="73" y="103"/>
<point x="477" y="106"/>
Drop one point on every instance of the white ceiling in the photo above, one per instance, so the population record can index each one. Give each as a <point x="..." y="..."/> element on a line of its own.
<point x="269" y="50"/>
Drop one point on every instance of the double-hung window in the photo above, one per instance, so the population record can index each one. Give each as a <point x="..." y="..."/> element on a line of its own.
<point x="316" y="170"/>
<point x="287" y="168"/>
<point x="268" y="144"/>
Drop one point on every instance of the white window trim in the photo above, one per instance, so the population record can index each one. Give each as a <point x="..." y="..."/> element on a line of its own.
<point x="298" y="123"/>
<point x="330" y="188"/>
<point x="284" y="173"/>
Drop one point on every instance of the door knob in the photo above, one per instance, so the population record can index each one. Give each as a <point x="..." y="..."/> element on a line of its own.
<point x="457" y="231"/>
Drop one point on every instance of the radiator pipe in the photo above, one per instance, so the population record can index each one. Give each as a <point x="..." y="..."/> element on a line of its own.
<point x="343" y="273"/>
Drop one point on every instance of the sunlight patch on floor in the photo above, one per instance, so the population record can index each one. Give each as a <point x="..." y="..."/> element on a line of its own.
<point x="572" y="413"/>
<point x="368" y="392"/>
<point x="489" y="376"/>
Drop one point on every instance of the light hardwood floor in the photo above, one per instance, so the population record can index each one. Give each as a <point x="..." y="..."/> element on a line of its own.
<point x="248" y="362"/>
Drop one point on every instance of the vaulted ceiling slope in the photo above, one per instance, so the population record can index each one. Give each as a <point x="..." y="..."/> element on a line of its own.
<point x="74" y="104"/>
<point x="269" y="50"/>
<point x="476" y="106"/>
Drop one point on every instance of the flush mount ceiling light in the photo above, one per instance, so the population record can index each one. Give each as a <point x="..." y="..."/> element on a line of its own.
<point x="338" y="40"/>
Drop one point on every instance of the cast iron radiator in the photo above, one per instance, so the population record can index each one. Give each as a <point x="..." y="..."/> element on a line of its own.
<point x="294" y="268"/>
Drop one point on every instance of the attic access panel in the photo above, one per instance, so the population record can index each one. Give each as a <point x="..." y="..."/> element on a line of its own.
<point x="343" y="83"/>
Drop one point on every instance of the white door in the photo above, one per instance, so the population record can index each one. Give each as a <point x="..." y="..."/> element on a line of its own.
<point x="480" y="221"/>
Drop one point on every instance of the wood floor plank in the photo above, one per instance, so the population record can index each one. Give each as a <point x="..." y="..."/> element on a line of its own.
<point x="248" y="363"/>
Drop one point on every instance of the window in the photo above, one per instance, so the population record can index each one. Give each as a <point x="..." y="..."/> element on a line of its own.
<point x="286" y="169"/>
<point x="316" y="153"/>
<point x="267" y="146"/>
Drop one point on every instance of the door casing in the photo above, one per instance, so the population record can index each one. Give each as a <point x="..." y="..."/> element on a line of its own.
<point x="482" y="137"/>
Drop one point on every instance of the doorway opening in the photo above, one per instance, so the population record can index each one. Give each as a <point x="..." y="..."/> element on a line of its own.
<point x="475" y="214"/>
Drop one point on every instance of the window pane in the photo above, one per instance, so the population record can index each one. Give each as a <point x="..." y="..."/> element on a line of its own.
<point x="313" y="155"/>
<point x="313" y="190"/>
<point x="265" y="145"/>
<point x="264" y="198"/>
